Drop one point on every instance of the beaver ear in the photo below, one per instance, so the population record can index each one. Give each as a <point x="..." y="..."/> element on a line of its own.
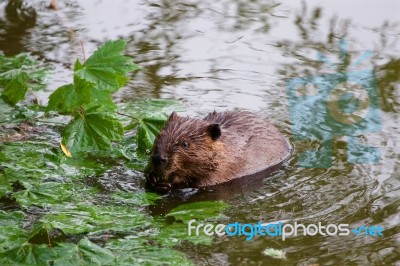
<point x="214" y="130"/>
<point x="172" y="116"/>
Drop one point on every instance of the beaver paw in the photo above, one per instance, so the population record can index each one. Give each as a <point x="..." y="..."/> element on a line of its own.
<point x="160" y="187"/>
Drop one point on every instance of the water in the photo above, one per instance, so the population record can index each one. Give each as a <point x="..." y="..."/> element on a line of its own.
<point x="222" y="55"/>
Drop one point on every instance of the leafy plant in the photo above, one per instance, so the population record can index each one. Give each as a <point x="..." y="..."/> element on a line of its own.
<point x="18" y="75"/>
<point x="67" y="213"/>
<point x="148" y="117"/>
<point x="174" y="229"/>
<point x="94" y="126"/>
<point x="83" y="253"/>
<point x="88" y="100"/>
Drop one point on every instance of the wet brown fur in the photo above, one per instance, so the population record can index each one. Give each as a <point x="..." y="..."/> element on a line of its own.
<point x="207" y="161"/>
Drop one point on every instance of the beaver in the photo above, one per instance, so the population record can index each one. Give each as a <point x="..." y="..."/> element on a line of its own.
<point x="191" y="152"/>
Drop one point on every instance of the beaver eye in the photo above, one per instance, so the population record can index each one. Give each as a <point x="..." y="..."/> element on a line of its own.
<point x="185" y="144"/>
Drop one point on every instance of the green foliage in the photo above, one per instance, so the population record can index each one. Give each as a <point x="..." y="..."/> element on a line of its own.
<point x="173" y="233"/>
<point x="43" y="194"/>
<point x="148" y="129"/>
<point x="63" y="207"/>
<point x="35" y="162"/>
<point x="91" y="132"/>
<point x="69" y="97"/>
<point x="198" y="210"/>
<point x="88" y="100"/>
<point x="104" y="72"/>
<point x="83" y="253"/>
<point x="76" y="219"/>
<point x="18" y="74"/>
<point x="137" y="198"/>
<point x="11" y="233"/>
<point x="134" y="251"/>
<point x="149" y="118"/>
<point x="106" y="68"/>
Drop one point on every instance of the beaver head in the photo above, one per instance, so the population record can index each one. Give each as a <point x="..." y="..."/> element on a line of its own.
<point x="185" y="152"/>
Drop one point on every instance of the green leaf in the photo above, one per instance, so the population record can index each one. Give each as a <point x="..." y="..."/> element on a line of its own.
<point x="92" y="132"/>
<point x="7" y="114"/>
<point x="150" y="108"/>
<point x="15" y="89"/>
<point x="135" y="251"/>
<point x="198" y="210"/>
<point x="28" y="254"/>
<point x="173" y="233"/>
<point x="274" y="253"/>
<point x="33" y="162"/>
<point x="136" y="198"/>
<point x="150" y="116"/>
<point x="11" y="232"/>
<point x="83" y="253"/>
<point x="5" y="185"/>
<point x="106" y="68"/>
<point x="100" y="99"/>
<point x="93" y="253"/>
<point x="68" y="97"/>
<point x="18" y="74"/>
<point x="148" y="131"/>
<point x="43" y="194"/>
<point x="72" y="219"/>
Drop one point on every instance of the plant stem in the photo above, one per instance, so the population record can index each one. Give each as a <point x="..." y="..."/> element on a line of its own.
<point x="134" y="118"/>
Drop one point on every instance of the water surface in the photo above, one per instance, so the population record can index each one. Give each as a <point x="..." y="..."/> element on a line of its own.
<point x="224" y="55"/>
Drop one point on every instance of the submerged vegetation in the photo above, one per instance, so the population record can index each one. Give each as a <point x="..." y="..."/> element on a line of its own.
<point x="53" y="208"/>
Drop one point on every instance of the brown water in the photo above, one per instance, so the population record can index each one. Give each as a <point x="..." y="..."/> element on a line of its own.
<point x="222" y="55"/>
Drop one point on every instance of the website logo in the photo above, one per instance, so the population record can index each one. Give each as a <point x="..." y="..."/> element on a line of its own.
<point x="282" y="230"/>
<point x="328" y="106"/>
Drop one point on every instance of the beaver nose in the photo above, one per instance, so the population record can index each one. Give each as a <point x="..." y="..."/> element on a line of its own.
<point x="159" y="159"/>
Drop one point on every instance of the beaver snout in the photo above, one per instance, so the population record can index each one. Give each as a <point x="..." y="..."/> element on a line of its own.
<point x="159" y="160"/>
<point x="155" y="178"/>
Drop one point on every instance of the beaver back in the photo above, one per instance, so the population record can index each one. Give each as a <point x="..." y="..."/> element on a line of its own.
<point x="253" y="144"/>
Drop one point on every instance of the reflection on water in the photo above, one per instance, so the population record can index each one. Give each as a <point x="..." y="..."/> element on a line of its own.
<point x="15" y="23"/>
<point x="239" y="54"/>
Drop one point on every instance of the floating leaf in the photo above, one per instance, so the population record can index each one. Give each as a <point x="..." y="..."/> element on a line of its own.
<point x="198" y="210"/>
<point x="43" y="194"/>
<point x="83" y="253"/>
<point x="18" y="74"/>
<point x="150" y="116"/>
<point x="106" y="68"/>
<point x="15" y="89"/>
<point x="151" y="107"/>
<point x="93" y="219"/>
<point x="27" y="254"/>
<point x="173" y="233"/>
<point x="137" y="198"/>
<point x="274" y="253"/>
<point x="7" y="114"/>
<point x="28" y="161"/>
<point x="65" y="150"/>
<point x="135" y="251"/>
<point x="91" y="132"/>
<point x="11" y="232"/>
